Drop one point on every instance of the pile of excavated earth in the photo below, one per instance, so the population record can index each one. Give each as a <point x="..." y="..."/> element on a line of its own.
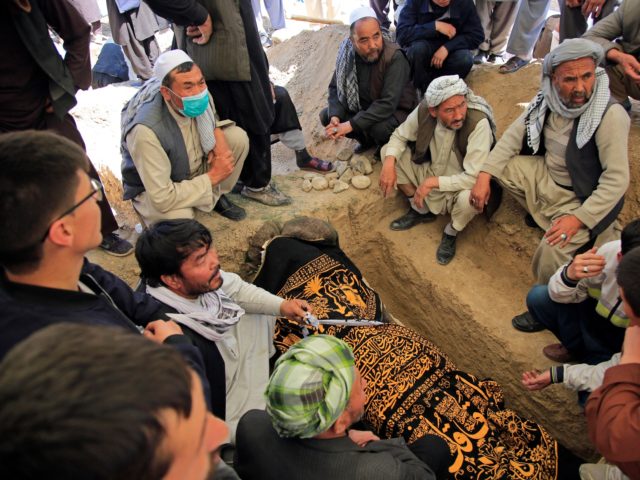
<point x="465" y="307"/>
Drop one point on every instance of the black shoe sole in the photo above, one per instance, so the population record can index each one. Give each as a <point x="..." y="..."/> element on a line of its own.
<point x="527" y="329"/>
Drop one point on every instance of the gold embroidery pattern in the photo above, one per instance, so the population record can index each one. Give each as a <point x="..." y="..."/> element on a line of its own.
<point x="414" y="389"/>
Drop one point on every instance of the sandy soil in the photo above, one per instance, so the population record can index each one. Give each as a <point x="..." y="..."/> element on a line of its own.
<point x="464" y="307"/>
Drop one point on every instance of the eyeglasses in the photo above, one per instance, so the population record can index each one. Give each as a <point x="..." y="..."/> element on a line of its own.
<point x="97" y="192"/>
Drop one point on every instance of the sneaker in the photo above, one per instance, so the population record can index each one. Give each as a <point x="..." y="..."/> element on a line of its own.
<point x="116" y="246"/>
<point x="495" y="57"/>
<point x="558" y="353"/>
<point x="228" y="209"/>
<point x="480" y="57"/>
<point x="268" y="195"/>
<point x="526" y="323"/>
<point x="411" y="219"/>
<point x="447" y="249"/>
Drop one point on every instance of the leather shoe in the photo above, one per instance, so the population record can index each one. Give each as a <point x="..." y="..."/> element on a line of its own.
<point x="526" y="323"/>
<point x="558" y="353"/>
<point x="229" y="210"/>
<point x="411" y="219"/>
<point x="447" y="249"/>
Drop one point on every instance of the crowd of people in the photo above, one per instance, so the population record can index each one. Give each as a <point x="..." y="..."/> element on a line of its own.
<point x="82" y="397"/>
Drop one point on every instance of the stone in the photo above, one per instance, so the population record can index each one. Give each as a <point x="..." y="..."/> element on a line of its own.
<point x="344" y="154"/>
<point x="361" y="182"/>
<point x="341" y="167"/>
<point x="332" y="182"/>
<point x="332" y="175"/>
<point x="346" y="175"/>
<point x="306" y="185"/>
<point x="340" y="186"/>
<point x="319" y="183"/>
<point x="309" y="176"/>
<point x="362" y="165"/>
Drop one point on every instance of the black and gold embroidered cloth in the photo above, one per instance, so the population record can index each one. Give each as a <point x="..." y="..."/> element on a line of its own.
<point x="413" y="388"/>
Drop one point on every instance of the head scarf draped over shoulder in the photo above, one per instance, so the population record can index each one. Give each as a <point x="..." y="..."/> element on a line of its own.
<point x="310" y="386"/>
<point x="590" y="114"/>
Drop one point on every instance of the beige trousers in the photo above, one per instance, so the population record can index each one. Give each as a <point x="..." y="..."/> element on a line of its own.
<point x="439" y="203"/>
<point x="529" y="181"/>
<point x="238" y="143"/>
<point x="246" y="351"/>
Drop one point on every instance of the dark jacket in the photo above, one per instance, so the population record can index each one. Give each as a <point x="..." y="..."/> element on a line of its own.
<point x="261" y="454"/>
<point x="26" y="309"/>
<point x="418" y="22"/>
<point x="385" y="89"/>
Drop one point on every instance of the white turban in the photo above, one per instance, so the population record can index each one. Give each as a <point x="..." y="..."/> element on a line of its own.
<point x="360" y="13"/>
<point x="168" y="61"/>
<point x="443" y="88"/>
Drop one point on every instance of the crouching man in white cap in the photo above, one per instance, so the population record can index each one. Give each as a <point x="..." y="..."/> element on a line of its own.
<point x="453" y="131"/>
<point x="177" y="156"/>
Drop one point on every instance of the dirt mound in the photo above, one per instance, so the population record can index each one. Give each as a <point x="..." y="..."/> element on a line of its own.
<point x="464" y="307"/>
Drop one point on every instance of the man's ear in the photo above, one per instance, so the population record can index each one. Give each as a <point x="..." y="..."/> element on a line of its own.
<point x="166" y="94"/>
<point x="342" y="424"/>
<point x="433" y="111"/>
<point x="173" y="281"/>
<point x="61" y="233"/>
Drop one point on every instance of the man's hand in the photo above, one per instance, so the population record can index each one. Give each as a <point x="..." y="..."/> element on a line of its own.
<point x="535" y="380"/>
<point x="388" y="176"/>
<point x="562" y="230"/>
<point x="362" y="437"/>
<point x="335" y="131"/>
<point x="586" y="265"/>
<point x="592" y="7"/>
<point x="202" y="33"/>
<point x="631" y="345"/>
<point x="294" y="309"/>
<point x="445" y="29"/>
<point x="439" y="57"/>
<point x="573" y="3"/>
<point x="631" y="67"/>
<point x="424" y="189"/>
<point x="160" y="330"/>
<point x="481" y="191"/>
<point x="220" y="164"/>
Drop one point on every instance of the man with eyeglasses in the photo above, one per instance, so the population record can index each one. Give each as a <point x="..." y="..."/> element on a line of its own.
<point x="51" y="219"/>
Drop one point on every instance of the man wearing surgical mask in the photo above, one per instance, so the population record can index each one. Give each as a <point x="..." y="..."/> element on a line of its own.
<point x="178" y="156"/>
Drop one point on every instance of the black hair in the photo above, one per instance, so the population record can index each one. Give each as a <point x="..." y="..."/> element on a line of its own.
<point x="162" y="248"/>
<point x="38" y="180"/>
<point x="628" y="277"/>
<point x="630" y="237"/>
<point x="85" y="401"/>
<point x="185" y="67"/>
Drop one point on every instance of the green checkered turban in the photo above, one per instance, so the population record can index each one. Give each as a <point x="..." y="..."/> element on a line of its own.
<point x="310" y="386"/>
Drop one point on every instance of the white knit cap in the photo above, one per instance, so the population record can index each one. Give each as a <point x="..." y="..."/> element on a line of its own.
<point x="360" y="13"/>
<point x="168" y="61"/>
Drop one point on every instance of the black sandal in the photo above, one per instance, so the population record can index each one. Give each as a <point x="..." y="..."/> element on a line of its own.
<point x="513" y="65"/>
<point x="314" y="164"/>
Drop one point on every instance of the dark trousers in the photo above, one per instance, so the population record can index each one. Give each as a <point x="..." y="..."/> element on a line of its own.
<point x="68" y="129"/>
<point x="458" y="62"/>
<point x="286" y="116"/>
<point x="433" y="451"/>
<point x="573" y="23"/>
<point x="588" y="336"/>
<point x="377" y="135"/>
<point x="381" y="7"/>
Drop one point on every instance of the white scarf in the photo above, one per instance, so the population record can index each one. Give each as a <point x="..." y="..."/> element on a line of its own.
<point x="211" y="315"/>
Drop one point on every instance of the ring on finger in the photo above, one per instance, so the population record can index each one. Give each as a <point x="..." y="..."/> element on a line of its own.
<point x="585" y="269"/>
<point x="563" y="236"/>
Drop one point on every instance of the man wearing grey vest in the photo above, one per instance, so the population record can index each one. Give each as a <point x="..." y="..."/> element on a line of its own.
<point x="177" y="155"/>
<point x="453" y="131"/>
<point x="565" y="158"/>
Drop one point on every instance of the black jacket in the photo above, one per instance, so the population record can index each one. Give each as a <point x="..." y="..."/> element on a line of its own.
<point x="26" y="309"/>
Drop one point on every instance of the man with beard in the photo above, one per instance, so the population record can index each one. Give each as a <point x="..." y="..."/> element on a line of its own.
<point x="453" y="131"/>
<point x="181" y="269"/>
<point x="438" y="36"/>
<point x="314" y="397"/>
<point x="370" y="93"/>
<point x="565" y="158"/>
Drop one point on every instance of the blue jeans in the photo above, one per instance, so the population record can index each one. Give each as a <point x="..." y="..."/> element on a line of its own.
<point x="458" y="62"/>
<point x="588" y="336"/>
